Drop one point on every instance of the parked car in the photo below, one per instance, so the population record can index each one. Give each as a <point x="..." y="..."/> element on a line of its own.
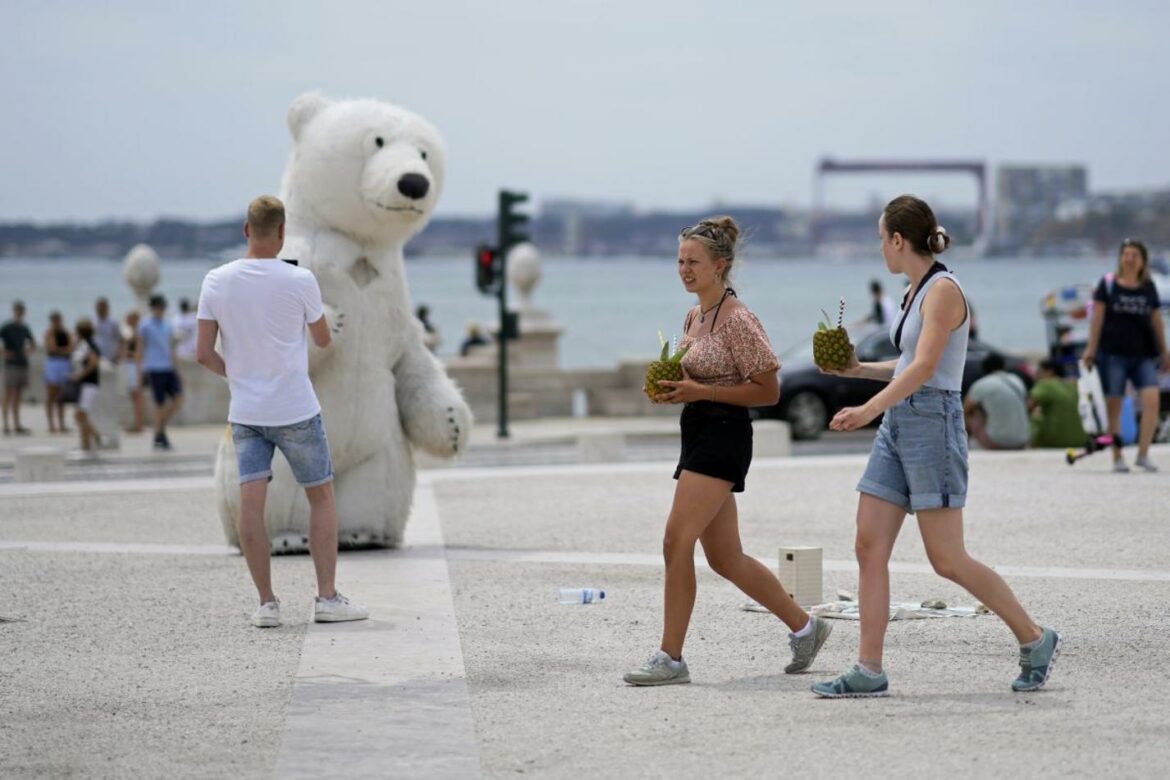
<point x="809" y="399"/>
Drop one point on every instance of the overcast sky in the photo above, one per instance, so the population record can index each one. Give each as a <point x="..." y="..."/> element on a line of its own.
<point x="141" y="109"/>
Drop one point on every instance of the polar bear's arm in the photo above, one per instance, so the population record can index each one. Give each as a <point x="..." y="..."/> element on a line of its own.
<point x="433" y="412"/>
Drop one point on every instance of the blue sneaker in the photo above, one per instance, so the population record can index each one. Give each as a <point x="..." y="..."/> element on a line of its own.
<point x="1036" y="663"/>
<point x="854" y="684"/>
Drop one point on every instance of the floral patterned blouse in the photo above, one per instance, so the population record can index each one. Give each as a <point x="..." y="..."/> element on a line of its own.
<point x="735" y="351"/>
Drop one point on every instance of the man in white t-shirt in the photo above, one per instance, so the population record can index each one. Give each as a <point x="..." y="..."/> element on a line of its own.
<point x="260" y="306"/>
<point x="186" y="329"/>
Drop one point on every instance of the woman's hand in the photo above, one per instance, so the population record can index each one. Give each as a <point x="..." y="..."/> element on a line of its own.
<point x="851" y="369"/>
<point x="852" y="417"/>
<point x="683" y="392"/>
<point x="1089" y="357"/>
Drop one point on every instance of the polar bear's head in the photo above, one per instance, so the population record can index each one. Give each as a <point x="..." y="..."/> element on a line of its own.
<point x="365" y="168"/>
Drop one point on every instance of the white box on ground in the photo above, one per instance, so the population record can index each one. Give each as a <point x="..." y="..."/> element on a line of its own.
<point x="802" y="574"/>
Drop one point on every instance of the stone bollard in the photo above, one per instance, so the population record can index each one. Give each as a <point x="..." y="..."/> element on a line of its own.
<point x="771" y="439"/>
<point x="40" y="464"/>
<point x="802" y="572"/>
<point x="601" y="447"/>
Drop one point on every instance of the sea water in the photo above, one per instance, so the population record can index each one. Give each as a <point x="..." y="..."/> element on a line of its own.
<point x="610" y="307"/>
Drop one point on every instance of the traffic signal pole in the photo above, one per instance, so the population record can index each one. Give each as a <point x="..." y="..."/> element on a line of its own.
<point x="508" y="234"/>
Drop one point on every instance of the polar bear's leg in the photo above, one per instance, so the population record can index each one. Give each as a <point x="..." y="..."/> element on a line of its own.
<point x="286" y="510"/>
<point x="227" y="489"/>
<point x="374" y="498"/>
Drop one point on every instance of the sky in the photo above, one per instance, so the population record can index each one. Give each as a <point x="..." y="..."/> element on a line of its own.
<point x="136" y="110"/>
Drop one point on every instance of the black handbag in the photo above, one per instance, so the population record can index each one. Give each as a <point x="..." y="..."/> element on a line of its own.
<point x="69" y="393"/>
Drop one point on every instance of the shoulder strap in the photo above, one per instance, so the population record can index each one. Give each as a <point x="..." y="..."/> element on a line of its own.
<point x="687" y="324"/>
<point x="910" y="297"/>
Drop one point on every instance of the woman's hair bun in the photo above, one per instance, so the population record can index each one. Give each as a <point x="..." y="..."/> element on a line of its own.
<point x="938" y="241"/>
<point x="729" y="228"/>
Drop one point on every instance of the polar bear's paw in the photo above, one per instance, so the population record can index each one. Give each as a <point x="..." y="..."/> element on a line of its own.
<point x="289" y="542"/>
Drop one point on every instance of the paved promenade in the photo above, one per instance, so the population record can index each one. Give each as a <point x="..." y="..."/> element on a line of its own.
<point x="125" y="649"/>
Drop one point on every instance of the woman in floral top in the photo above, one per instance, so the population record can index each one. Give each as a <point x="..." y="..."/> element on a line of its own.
<point x="728" y="368"/>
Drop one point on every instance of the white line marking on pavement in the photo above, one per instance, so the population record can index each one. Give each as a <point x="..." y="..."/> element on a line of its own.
<point x="420" y="549"/>
<point x="645" y="559"/>
<point x="386" y="697"/>
<point x="122" y="547"/>
<point x="86" y="487"/>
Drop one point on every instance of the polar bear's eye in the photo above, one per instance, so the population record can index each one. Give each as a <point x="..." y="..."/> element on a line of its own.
<point x="423" y="152"/>
<point x="378" y="142"/>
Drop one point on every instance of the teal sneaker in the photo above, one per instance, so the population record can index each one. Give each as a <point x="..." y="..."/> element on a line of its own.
<point x="1036" y="663"/>
<point x="659" y="669"/>
<point x="805" y="648"/>
<point x="854" y="684"/>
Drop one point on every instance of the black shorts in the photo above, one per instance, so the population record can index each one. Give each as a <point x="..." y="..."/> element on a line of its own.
<point x="164" y="385"/>
<point x="716" y="441"/>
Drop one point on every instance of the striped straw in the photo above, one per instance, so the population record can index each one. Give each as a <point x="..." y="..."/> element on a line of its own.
<point x="841" y="313"/>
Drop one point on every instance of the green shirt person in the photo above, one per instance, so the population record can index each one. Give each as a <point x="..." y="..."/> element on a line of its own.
<point x="1056" y="420"/>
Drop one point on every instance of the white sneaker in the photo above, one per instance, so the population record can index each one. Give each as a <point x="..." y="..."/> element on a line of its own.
<point x="1146" y="465"/>
<point x="659" y="669"/>
<point x="267" y="615"/>
<point x="1120" y="467"/>
<point x="338" y="609"/>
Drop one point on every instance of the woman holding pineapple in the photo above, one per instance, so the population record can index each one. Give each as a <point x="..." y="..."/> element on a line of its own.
<point x="727" y="366"/>
<point x="919" y="458"/>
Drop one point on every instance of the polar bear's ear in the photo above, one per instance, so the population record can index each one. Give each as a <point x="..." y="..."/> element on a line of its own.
<point x="303" y="109"/>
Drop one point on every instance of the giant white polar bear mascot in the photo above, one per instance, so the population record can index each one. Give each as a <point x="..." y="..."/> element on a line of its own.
<point x="362" y="178"/>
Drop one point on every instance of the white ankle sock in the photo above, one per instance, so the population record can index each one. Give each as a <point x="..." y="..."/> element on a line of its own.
<point x="867" y="671"/>
<point x="808" y="627"/>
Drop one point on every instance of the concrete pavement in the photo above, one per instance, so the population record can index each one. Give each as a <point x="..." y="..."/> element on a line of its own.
<point x="130" y="655"/>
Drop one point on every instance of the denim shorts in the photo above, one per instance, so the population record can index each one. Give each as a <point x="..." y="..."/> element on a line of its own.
<point x="1116" y="369"/>
<point x="304" y="446"/>
<point x="919" y="457"/>
<point x="164" y="385"/>
<point x="56" y="371"/>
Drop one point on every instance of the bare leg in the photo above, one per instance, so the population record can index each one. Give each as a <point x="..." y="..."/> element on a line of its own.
<point x="942" y="535"/>
<point x="323" y="537"/>
<point x="1113" y="408"/>
<point x="164" y="413"/>
<point x="878" y="524"/>
<point x="254" y="541"/>
<point x="9" y="392"/>
<point x="139" y="411"/>
<point x="724" y="552"/>
<point x="697" y="499"/>
<point x="1151" y="401"/>
<point x="61" y="416"/>
<point x="84" y="427"/>
<point x="16" y="392"/>
<point x="51" y="401"/>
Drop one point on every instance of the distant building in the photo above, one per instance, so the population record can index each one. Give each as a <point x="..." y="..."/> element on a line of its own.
<point x="571" y="215"/>
<point x="1030" y="197"/>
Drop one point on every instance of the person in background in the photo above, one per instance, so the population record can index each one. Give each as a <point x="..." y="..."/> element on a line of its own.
<point x="474" y="339"/>
<point x="17" y="342"/>
<point x="884" y="310"/>
<point x="1054" y="406"/>
<point x="431" y="336"/>
<point x="186" y="326"/>
<point x="1127" y="343"/>
<point x="106" y="333"/>
<point x="85" y="370"/>
<point x="156" y="363"/>
<point x="131" y="370"/>
<point x="996" y="408"/>
<point x="58" y="348"/>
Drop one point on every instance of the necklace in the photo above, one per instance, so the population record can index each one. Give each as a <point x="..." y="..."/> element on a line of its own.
<point x="703" y="314"/>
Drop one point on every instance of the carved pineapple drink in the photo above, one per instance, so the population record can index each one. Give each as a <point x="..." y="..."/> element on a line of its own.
<point x="831" y="347"/>
<point x="668" y="367"/>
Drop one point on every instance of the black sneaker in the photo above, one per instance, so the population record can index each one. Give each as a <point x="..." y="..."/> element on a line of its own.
<point x="161" y="442"/>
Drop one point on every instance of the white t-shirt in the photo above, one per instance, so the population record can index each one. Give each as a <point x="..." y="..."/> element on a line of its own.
<point x="262" y="307"/>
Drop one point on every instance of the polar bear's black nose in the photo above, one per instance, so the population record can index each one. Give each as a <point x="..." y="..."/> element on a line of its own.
<point x="414" y="186"/>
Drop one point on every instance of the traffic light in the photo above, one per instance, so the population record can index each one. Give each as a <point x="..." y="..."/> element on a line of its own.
<point x="510" y="223"/>
<point x="487" y="269"/>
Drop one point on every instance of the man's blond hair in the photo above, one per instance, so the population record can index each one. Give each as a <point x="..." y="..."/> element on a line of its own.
<point x="265" y="216"/>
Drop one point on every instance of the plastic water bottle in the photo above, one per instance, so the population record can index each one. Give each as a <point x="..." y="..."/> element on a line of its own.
<point x="580" y="595"/>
